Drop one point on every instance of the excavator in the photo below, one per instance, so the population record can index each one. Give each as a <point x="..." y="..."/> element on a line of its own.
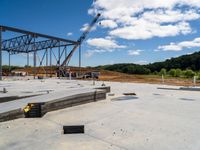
<point x="62" y="68"/>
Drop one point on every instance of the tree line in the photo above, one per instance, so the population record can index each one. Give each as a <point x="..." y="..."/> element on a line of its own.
<point x="183" y="66"/>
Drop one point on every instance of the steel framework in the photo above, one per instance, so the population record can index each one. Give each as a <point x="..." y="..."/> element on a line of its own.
<point x="32" y="42"/>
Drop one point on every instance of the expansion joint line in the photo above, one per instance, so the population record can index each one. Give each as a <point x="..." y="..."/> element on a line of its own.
<point x="124" y="148"/>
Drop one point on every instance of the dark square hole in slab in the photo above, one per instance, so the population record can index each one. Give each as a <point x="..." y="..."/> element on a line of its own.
<point x="76" y="129"/>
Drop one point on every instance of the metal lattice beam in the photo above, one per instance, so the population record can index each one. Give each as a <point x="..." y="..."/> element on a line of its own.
<point x="34" y="34"/>
<point x="13" y="43"/>
<point x="31" y="41"/>
<point x="41" y="45"/>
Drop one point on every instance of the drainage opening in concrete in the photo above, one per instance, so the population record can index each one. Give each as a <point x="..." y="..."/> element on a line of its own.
<point x="33" y="110"/>
<point x="77" y="129"/>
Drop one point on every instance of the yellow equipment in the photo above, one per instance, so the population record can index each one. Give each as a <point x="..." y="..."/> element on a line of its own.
<point x="28" y="108"/>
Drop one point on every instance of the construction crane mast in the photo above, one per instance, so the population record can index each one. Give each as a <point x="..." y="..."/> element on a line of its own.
<point x="80" y="40"/>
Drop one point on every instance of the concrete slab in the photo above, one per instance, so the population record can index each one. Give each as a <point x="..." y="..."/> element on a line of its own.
<point x="57" y="94"/>
<point x="17" y="104"/>
<point x="157" y="119"/>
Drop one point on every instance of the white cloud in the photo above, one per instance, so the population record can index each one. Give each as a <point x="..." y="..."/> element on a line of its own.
<point x="145" y="30"/>
<point x="134" y="52"/>
<point x="85" y="27"/>
<point x="141" y="62"/>
<point x="170" y="16"/>
<point x="69" y="33"/>
<point x="90" y="53"/>
<point x="170" y="47"/>
<point x="108" y="24"/>
<point x="102" y="43"/>
<point x="181" y="45"/>
<point x="144" y="19"/>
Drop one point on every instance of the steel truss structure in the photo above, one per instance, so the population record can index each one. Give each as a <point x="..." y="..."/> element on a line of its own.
<point x="32" y="42"/>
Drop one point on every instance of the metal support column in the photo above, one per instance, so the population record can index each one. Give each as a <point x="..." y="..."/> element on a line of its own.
<point x="0" y="53"/>
<point x="79" y="59"/>
<point x="65" y="54"/>
<point x="9" y="63"/>
<point x="47" y="57"/>
<point x="59" y="61"/>
<point x="34" y="58"/>
<point x="47" y="62"/>
<point x="27" y="59"/>
<point x="51" y="62"/>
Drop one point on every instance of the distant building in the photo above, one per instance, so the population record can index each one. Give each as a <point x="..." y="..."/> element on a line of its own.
<point x="19" y="73"/>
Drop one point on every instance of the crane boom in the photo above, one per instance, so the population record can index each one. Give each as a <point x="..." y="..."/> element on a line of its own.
<point x="80" y="40"/>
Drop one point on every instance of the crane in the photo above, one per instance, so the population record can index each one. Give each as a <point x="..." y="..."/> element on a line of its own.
<point x="80" y="40"/>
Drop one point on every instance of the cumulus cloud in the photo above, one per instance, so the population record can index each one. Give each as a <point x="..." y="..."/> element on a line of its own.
<point x="144" y="19"/>
<point x="181" y="45"/>
<point x="85" y="27"/>
<point x="108" y="24"/>
<point x="145" y="30"/>
<point x="69" y="34"/>
<point x="170" y="47"/>
<point x="90" y="53"/>
<point x="134" y="52"/>
<point x="102" y="43"/>
<point x="170" y="16"/>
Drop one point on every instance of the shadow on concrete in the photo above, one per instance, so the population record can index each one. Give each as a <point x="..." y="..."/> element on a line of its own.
<point x="157" y="94"/>
<point x="187" y="99"/>
<point x="12" y="98"/>
<point x="122" y="98"/>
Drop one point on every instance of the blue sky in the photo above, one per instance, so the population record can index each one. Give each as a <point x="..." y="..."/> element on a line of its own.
<point x="130" y="31"/>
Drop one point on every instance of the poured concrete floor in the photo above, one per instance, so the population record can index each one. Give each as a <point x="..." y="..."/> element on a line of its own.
<point x="155" y="119"/>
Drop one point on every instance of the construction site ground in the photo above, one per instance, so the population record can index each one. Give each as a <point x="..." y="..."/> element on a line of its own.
<point x="152" y="119"/>
<point x="152" y="79"/>
<point x="113" y="76"/>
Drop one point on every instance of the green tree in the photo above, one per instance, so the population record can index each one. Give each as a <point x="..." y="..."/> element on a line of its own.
<point x="189" y="73"/>
<point x="198" y="75"/>
<point x="26" y="66"/>
<point x="172" y="72"/>
<point x="178" y="72"/>
<point x="163" y="71"/>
